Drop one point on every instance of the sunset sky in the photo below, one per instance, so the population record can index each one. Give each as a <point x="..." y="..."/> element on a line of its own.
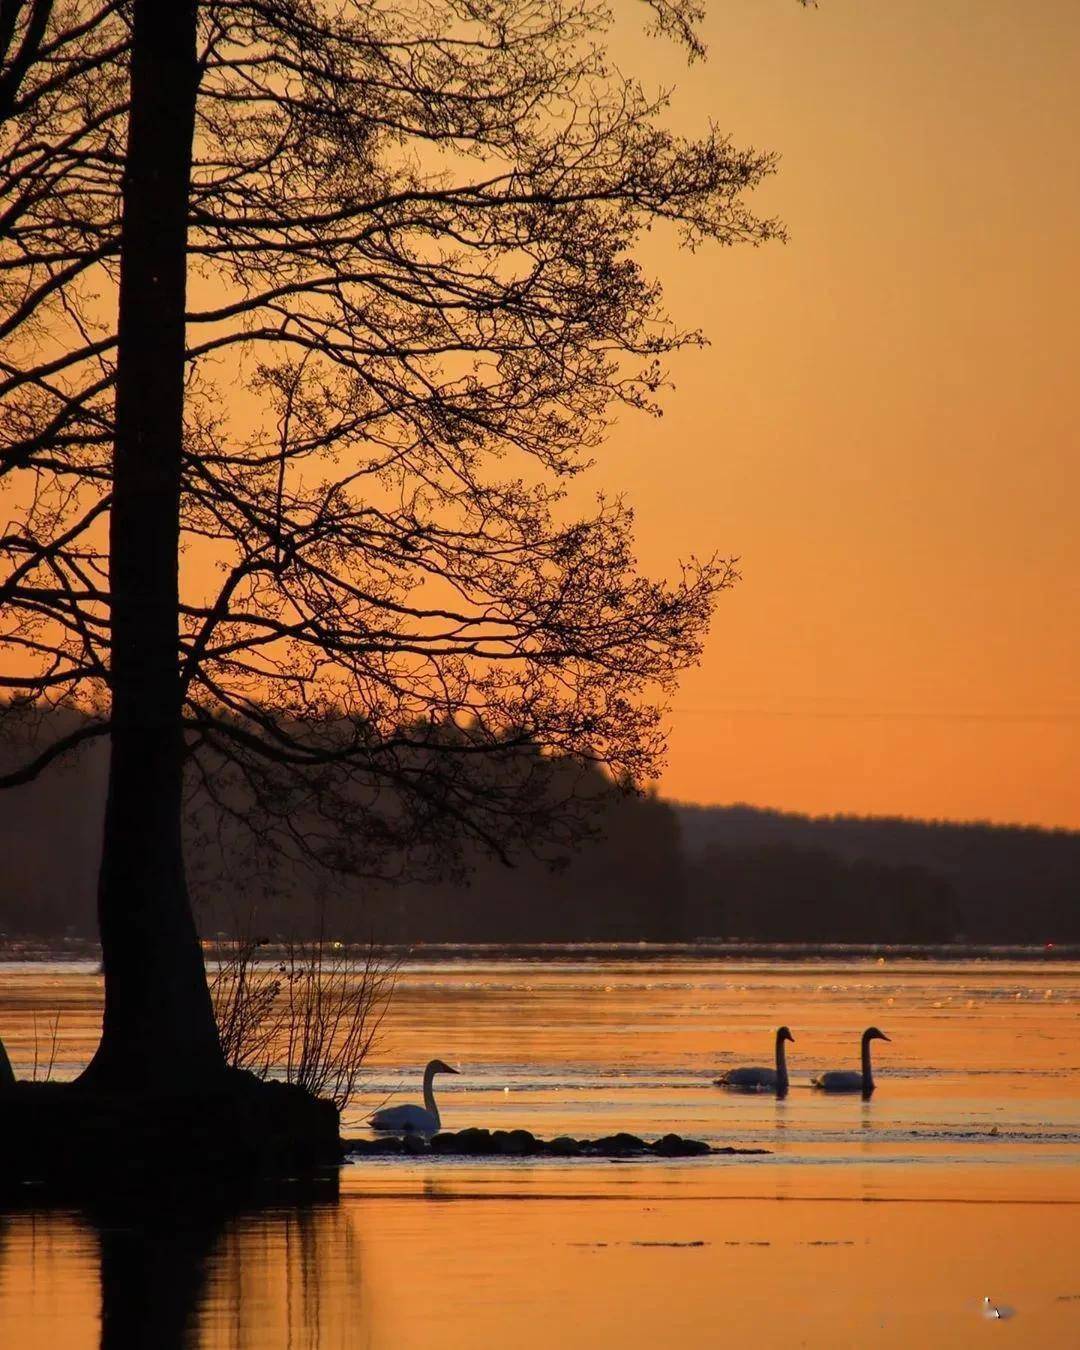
<point x="884" y="427"/>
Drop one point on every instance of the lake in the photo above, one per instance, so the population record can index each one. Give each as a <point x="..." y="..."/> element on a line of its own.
<point x="868" y="1223"/>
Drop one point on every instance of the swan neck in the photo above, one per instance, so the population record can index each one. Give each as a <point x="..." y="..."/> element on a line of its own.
<point x="781" y="1063"/>
<point x="867" y="1077"/>
<point x="429" y="1094"/>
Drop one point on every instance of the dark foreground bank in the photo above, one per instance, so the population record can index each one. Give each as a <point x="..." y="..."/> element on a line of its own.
<point x="61" y="1142"/>
<point x="244" y="1139"/>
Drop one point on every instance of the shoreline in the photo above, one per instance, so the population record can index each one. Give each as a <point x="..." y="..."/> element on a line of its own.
<point x="18" y="950"/>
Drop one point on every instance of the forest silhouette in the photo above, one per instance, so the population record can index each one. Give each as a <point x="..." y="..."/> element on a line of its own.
<point x="649" y="870"/>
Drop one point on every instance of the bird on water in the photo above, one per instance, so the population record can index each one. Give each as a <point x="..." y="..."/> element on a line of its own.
<point x="755" y="1078"/>
<point x="852" y="1080"/>
<point x="415" y="1119"/>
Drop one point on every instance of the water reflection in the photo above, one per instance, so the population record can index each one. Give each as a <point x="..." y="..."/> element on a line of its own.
<point x="153" y="1271"/>
<point x="165" y="1273"/>
<point x="967" y="1152"/>
<point x="289" y="1278"/>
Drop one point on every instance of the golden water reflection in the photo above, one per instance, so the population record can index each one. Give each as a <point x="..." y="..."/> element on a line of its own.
<point x="161" y="1278"/>
<point x="595" y="1261"/>
<point x="881" y="1223"/>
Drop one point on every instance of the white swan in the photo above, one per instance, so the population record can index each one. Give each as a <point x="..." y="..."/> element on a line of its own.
<point x="414" y="1119"/>
<point x="755" y="1079"/>
<point x="851" y="1080"/>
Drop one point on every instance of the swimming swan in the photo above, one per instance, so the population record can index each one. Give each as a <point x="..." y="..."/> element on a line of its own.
<point x="849" y="1080"/>
<point x="756" y="1079"/>
<point x="414" y="1119"/>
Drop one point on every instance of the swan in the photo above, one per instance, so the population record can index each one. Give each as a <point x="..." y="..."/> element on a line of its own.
<point x="415" y="1119"/>
<point x="852" y="1080"/>
<point x="761" y="1079"/>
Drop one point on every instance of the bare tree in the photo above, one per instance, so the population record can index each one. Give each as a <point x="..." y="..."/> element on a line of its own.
<point x="329" y="301"/>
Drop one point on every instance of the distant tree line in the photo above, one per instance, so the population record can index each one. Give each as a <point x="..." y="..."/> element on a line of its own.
<point x="650" y="871"/>
<point x="773" y="875"/>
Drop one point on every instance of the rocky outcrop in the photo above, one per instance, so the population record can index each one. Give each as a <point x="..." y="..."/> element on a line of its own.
<point x="473" y="1143"/>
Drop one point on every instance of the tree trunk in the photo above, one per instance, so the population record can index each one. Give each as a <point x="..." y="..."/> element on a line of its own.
<point x="158" y="1027"/>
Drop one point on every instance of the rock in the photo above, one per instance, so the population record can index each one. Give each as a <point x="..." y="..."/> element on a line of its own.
<point x="524" y="1144"/>
<point x="616" y="1145"/>
<point x="675" y="1146"/>
<point x="372" y="1147"/>
<point x="472" y="1141"/>
<point x="564" y="1147"/>
<point x="514" y="1143"/>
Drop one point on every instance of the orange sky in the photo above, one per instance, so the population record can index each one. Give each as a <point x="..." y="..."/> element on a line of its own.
<point x="884" y="428"/>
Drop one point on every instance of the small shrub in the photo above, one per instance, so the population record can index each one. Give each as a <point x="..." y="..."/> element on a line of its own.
<point x="42" y="1067"/>
<point x="312" y="1015"/>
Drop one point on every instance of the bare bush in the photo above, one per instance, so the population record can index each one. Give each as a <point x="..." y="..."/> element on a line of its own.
<point x="244" y="995"/>
<point x="42" y="1068"/>
<point x="312" y="1015"/>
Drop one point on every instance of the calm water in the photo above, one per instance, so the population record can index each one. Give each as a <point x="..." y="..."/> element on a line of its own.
<point x="880" y="1223"/>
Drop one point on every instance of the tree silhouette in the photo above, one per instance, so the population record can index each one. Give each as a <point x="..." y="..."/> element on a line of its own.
<point x="328" y="302"/>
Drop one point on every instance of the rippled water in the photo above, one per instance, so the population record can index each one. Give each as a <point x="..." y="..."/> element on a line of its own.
<point x="884" y="1222"/>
